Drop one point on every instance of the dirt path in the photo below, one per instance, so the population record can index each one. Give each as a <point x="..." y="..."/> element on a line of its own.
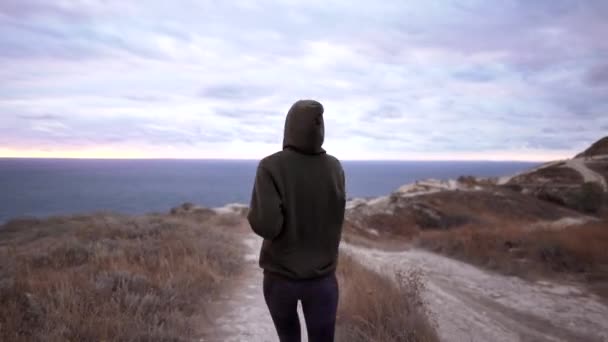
<point x="470" y="304"/>
<point x="588" y="175"/>
<point x="576" y="164"/>
<point x="246" y="317"/>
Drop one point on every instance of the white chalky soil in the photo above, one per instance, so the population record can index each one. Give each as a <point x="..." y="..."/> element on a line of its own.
<point x="246" y="317"/>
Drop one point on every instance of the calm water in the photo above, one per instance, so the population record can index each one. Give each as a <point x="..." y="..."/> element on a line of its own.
<point x="44" y="187"/>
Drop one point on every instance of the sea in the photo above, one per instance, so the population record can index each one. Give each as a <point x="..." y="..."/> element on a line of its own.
<point x="50" y="187"/>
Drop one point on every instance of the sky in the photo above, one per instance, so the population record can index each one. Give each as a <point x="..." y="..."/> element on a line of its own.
<point x="399" y="80"/>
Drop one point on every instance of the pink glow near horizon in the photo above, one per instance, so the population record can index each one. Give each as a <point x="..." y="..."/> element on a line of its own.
<point x="483" y="81"/>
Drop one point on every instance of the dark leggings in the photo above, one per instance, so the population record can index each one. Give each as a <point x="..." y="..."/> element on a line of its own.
<point x="319" y="302"/>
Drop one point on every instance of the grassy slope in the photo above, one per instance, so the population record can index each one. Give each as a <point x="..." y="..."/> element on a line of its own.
<point x="577" y="252"/>
<point x="109" y="277"/>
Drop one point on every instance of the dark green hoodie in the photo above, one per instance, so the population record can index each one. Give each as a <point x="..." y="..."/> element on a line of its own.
<point x="298" y="200"/>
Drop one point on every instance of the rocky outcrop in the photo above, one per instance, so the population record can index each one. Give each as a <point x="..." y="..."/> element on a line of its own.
<point x="572" y="183"/>
<point x="405" y="213"/>
<point x="191" y="208"/>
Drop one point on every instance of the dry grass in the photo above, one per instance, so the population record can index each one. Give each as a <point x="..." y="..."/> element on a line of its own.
<point x="110" y="278"/>
<point x="579" y="252"/>
<point x="376" y="308"/>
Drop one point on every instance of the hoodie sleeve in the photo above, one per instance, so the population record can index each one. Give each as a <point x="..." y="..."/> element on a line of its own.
<point x="265" y="212"/>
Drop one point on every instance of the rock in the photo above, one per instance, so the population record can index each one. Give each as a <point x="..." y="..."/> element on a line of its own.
<point x="233" y="208"/>
<point x="184" y="208"/>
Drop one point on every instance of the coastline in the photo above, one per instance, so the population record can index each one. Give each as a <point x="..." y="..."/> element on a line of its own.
<point x="46" y="188"/>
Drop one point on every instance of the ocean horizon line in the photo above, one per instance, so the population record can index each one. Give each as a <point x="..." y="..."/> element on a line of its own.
<point x="257" y="160"/>
<point x="39" y="187"/>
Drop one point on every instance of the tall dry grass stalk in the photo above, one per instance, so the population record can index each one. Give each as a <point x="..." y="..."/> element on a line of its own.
<point x="376" y="308"/>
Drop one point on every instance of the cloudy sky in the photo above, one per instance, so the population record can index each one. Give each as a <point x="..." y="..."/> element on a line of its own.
<point x="417" y="79"/>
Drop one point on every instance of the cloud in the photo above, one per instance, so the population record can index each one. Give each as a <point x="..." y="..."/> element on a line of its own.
<point x="146" y="98"/>
<point x="36" y="117"/>
<point x="398" y="80"/>
<point x="598" y="75"/>
<point x="231" y="92"/>
<point x="475" y="74"/>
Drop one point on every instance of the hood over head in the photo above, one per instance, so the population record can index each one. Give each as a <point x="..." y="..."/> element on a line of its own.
<point x="305" y="128"/>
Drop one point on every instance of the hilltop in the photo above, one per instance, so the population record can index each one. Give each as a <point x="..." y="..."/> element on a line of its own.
<point x="562" y="191"/>
<point x="579" y="183"/>
<point x="599" y="149"/>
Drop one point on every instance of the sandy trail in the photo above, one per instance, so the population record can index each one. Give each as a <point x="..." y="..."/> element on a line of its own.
<point x="470" y="304"/>
<point x="246" y="317"/>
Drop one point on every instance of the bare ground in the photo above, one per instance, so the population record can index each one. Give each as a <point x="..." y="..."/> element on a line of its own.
<point x="470" y="304"/>
<point x="245" y="317"/>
